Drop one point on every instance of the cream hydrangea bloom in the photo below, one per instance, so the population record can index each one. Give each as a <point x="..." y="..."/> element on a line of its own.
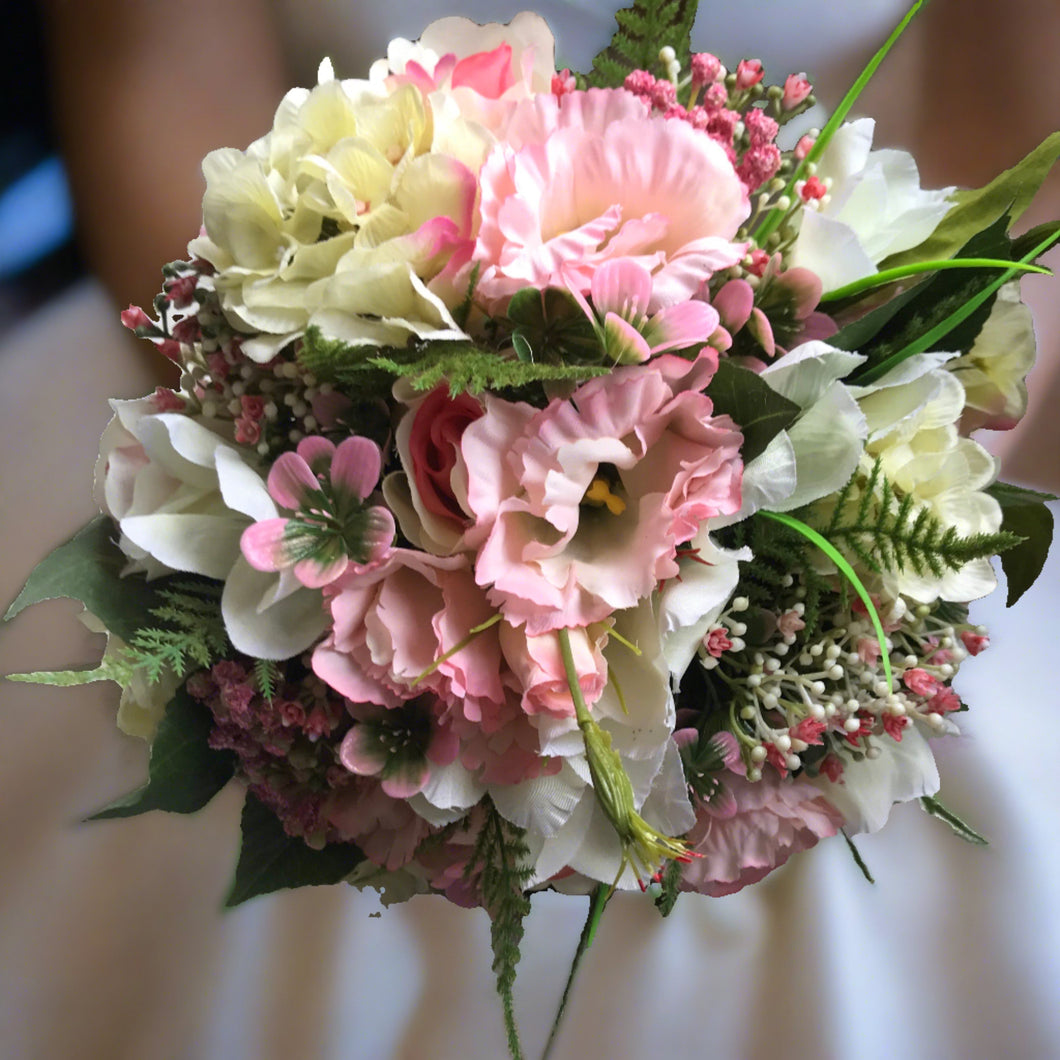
<point x="338" y="217"/>
<point x="913" y="414"/>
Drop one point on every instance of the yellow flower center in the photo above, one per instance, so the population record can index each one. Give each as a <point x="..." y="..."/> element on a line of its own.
<point x="599" y="495"/>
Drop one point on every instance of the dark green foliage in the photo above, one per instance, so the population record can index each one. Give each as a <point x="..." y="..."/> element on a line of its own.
<point x="550" y="326"/>
<point x="932" y="806"/>
<point x="193" y="634"/>
<point x="184" y="773"/>
<point x="267" y="676"/>
<point x="900" y="322"/>
<point x="499" y="861"/>
<point x="755" y="407"/>
<point x="779" y="551"/>
<point x="643" y="28"/>
<point x="88" y="568"/>
<point x="887" y="532"/>
<point x="271" y="860"/>
<point x="1023" y="512"/>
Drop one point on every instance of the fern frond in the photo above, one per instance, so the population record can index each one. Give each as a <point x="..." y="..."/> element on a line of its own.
<point x="267" y="676"/>
<point x="892" y="532"/>
<point x="501" y="860"/>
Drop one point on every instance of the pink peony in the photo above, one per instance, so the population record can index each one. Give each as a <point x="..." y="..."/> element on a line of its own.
<point x="590" y="177"/>
<point x="582" y="505"/>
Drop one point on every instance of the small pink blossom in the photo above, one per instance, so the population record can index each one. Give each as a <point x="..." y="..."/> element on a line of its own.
<point x="944" y="701"/>
<point x="748" y="73"/>
<point x="812" y="188"/>
<point x="804" y="147"/>
<point x="761" y="128"/>
<point x="717" y="642"/>
<point x="796" y="89"/>
<point x="332" y="527"/>
<point x="640" y="83"/>
<point x="134" y="317"/>
<point x="868" y="649"/>
<point x="809" y="730"/>
<point x="920" y="682"/>
<point x="181" y="291"/>
<point x="759" y="164"/>
<point x="895" y="725"/>
<point x="789" y="623"/>
<point x="563" y="83"/>
<point x="166" y="400"/>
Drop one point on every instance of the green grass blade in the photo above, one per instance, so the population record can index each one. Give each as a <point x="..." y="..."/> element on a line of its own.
<point x="772" y="219"/>
<point x="848" y="571"/>
<point x="881" y="279"/>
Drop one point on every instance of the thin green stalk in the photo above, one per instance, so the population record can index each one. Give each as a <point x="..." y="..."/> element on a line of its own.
<point x="772" y="219"/>
<point x="900" y="272"/>
<point x="597" y="903"/>
<point x="840" y="561"/>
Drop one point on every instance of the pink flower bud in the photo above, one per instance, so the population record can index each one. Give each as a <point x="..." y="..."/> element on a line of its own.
<point x="921" y="683"/>
<point x="804" y="147"/>
<point x="134" y="317"/>
<point x="975" y="642"/>
<point x="748" y="73"/>
<point x="812" y="188"/>
<point x="639" y="82"/>
<point x="181" y="291"/>
<point x="716" y="642"/>
<point x="796" y="89"/>
<point x="563" y="83"/>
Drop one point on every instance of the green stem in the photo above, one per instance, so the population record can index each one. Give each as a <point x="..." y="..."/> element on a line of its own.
<point x="941" y="330"/>
<point x="457" y="648"/>
<point x="900" y="272"/>
<point x="840" y="561"/>
<point x="597" y="903"/>
<point x="773" y="218"/>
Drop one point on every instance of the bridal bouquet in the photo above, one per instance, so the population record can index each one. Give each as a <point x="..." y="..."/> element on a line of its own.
<point x="570" y="481"/>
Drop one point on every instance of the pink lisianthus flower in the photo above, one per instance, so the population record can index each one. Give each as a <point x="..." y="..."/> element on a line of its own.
<point x="581" y="506"/>
<point x="621" y="292"/>
<point x="742" y="838"/>
<point x="590" y="177"/>
<point x="332" y="528"/>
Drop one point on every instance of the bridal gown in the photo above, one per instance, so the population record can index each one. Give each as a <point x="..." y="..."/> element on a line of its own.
<point x="112" y="943"/>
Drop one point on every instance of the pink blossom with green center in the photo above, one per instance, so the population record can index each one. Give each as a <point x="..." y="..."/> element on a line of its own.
<point x="332" y="527"/>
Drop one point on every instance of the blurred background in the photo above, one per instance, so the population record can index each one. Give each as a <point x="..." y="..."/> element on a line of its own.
<point x="111" y="943"/>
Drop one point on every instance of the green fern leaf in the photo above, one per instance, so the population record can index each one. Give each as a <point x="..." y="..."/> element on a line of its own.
<point x="643" y="28"/>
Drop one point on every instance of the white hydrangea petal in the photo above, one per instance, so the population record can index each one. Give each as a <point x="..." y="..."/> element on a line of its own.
<point x="804" y="374"/>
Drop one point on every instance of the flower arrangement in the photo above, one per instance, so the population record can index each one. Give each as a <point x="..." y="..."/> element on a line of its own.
<point x="568" y="486"/>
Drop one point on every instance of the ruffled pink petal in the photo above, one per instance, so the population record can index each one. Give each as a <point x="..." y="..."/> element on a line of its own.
<point x="355" y="467"/>
<point x="262" y="544"/>
<point x="290" y="480"/>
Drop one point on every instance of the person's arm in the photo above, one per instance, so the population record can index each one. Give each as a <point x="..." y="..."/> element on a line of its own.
<point x="142" y="90"/>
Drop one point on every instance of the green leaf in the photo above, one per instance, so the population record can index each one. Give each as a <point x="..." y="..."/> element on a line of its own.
<point x="643" y="28"/>
<point x="88" y="568"/>
<point x="755" y="407"/>
<point x="965" y="831"/>
<point x="773" y="219"/>
<point x="1023" y="512"/>
<point x="1010" y="193"/>
<point x="856" y="855"/>
<point x="185" y="772"/>
<point x="271" y="860"/>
